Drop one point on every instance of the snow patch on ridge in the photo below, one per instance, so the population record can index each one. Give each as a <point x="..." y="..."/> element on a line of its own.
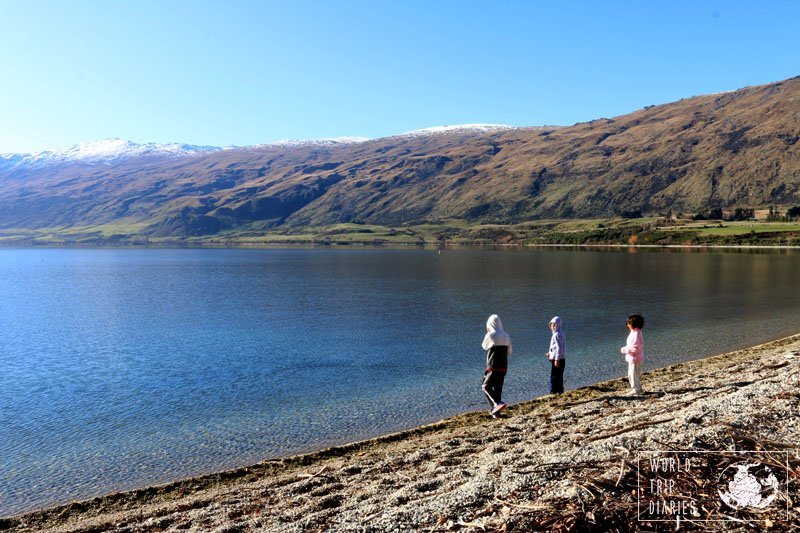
<point x="462" y="128"/>
<point x="105" y="151"/>
<point x="115" y="150"/>
<point x="292" y="143"/>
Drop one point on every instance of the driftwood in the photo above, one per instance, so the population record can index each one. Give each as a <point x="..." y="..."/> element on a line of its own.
<point x="630" y="428"/>
<point x="607" y="506"/>
<point x="472" y="524"/>
<point x="773" y="367"/>
<point x="318" y="473"/>
<point x="539" y="507"/>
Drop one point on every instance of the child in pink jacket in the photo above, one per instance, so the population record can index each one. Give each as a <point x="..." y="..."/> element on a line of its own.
<point x="634" y="352"/>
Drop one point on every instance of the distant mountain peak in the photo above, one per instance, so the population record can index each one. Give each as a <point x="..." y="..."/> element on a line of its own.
<point x="114" y="150"/>
<point x="105" y="151"/>
<point x="291" y="143"/>
<point x="336" y="141"/>
<point x="460" y="128"/>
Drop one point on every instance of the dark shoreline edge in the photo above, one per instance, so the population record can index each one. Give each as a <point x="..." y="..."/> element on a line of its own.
<point x="396" y="246"/>
<point x="176" y="489"/>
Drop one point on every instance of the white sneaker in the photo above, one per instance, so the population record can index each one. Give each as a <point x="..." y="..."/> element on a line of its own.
<point x="499" y="407"/>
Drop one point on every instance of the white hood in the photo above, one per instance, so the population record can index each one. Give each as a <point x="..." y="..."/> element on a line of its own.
<point x="495" y="334"/>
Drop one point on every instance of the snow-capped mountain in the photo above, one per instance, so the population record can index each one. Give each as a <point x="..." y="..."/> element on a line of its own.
<point x="292" y="143"/>
<point x="115" y="150"/>
<point x="105" y="151"/>
<point x="462" y="128"/>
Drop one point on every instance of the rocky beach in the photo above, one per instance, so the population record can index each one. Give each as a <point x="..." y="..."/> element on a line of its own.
<point x="711" y="445"/>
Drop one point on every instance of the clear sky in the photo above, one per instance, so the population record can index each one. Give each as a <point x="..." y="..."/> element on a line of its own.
<point x="241" y="72"/>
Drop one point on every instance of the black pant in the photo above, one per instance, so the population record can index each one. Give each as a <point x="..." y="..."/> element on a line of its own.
<point x="557" y="376"/>
<point x="493" y="386"/>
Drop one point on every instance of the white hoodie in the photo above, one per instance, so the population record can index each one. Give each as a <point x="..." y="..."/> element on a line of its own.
<point x="558" y="346"/>
<point x="495" y="334"/>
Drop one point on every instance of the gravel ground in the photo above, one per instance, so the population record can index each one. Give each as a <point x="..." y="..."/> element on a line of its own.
<point x="566" y="462"/>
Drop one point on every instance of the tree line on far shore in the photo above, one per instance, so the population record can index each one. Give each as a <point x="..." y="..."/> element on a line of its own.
<point x="743" y="213"/>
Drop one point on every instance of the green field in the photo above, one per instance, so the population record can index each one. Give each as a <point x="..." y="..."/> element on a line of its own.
<point x="742" y="228"/>
<point x="649" y="231"/>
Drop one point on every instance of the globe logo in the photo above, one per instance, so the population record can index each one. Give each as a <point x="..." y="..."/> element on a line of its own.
<point x="746" y="485"/>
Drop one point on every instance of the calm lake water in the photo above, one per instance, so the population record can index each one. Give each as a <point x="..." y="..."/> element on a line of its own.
<point x="124" y="368"/>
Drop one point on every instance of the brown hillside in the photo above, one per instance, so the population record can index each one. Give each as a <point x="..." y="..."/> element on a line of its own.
<point x="726" y="150"/>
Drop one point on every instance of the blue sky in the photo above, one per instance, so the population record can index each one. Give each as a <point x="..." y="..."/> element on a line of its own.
<point x="239" y="72"/>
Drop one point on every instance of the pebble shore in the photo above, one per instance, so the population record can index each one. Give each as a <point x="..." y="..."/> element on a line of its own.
<point x="565" y="462"/>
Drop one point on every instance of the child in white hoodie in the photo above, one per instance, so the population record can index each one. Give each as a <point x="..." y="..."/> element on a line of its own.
<point x="497" y="344"/>
<point x="634" y="352"/>
<point x="557" y="356"/>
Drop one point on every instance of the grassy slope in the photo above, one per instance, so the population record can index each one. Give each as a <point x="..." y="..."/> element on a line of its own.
<point x="642" y="231"/>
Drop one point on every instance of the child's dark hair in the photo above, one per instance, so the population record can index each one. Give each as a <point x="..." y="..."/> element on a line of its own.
<point x="636" y="321"/>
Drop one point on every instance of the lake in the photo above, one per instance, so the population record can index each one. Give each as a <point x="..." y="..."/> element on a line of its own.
<point x="121" y="368"/>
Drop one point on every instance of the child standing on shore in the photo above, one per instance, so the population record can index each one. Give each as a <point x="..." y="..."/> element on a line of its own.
<point x="497" y="344"/>
<point x="634" y="352"/>
<point x="557" y="356"/>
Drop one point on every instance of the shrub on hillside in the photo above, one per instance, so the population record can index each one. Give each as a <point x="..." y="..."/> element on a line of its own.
<point x="715" y="213"/>
<point x="743" y="214"/>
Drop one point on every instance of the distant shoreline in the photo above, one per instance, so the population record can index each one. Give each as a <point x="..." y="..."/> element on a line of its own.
<point x="652" y="231"/>
<point x="447" y="471"/>
<point x="397" y="246"/>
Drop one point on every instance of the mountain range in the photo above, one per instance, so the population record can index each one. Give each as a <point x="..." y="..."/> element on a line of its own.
<point x="735" y="149"/>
